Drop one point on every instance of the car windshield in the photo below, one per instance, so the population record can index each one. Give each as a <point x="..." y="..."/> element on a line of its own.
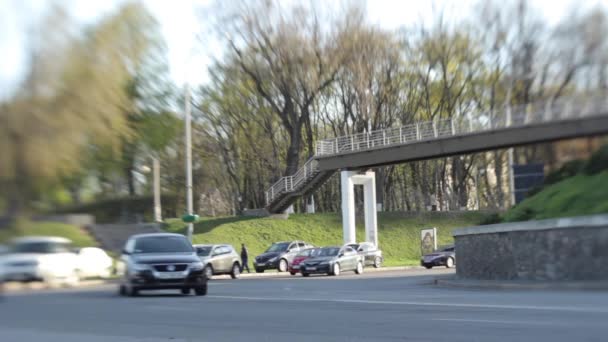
<point x="308" y="252"/>
<point x="331" y="251"/>
<point x="44" y="247"/>
<point x="162" y="244"/>
<point x="203" y="251"/>
<point x="278" y="247"/>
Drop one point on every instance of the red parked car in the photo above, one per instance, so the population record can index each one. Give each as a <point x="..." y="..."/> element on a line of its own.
<point x="294" y="267"/>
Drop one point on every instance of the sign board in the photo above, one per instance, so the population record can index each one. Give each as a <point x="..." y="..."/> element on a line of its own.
<point x="428" y="240"/>
<point x="527" y="177"/>
<point x="190" y="218"/>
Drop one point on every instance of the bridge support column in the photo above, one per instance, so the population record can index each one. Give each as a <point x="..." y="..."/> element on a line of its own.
<point x="348" y="180"/>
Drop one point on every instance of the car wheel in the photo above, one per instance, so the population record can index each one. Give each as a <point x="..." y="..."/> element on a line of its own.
<point x="208" y="271"/>
<point x="73" y="280"/>
<point x="336" y="269"/>
<point x="185" y="291"/>
<point x="236" y="271"/>
<point x="259" y="270"/>
<point x="133" y="291"/>
<point x="428" y="267"/>
<point x="305" y="275"/>
<point x="122" y="290"/>
<point x="201" y="290"/>
<point x="377" y="262"/>
<point x="293" y="273"/>
<point x="359" y="268"/>
<point x="283" y="265"/>
<point x="449" y="263"/>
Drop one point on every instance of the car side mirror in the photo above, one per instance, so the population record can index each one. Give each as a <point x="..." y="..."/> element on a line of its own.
<point x="340" y="255"/>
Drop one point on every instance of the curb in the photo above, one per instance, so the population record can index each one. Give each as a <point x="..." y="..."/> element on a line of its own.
<point x="276" y="274"/>
<point x="512" y="285"/>
<point x="36" y="286"/>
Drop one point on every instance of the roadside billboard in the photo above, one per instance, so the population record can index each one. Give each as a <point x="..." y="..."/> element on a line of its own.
<point x="428" y="240"/>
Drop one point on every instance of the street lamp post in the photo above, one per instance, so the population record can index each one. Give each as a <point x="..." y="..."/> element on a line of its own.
<point x="189" y="160"/>
<point x="155" y="187"/>
<point x="158" y="217"/>
<point x="479" y="172"/>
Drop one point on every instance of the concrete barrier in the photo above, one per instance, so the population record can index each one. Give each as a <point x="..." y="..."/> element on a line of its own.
<point x="80" y="220"/>
<point x="565" y="249"/>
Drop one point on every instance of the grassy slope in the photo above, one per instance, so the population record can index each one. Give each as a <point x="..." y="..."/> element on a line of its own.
<point x="399" y="234"/>
<point x="575" y="196"/>
<point x="80" y="237"/>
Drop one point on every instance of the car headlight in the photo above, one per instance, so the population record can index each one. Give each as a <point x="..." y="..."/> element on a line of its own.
<point x="197" y="266"/>
<point x="140" y="267"/>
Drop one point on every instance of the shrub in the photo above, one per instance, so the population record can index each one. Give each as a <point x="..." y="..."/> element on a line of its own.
<point x="569" y="169"/>
<point x="123" y="209"/>
<point x="491" y="219"/>
<point x="598" y="161"/>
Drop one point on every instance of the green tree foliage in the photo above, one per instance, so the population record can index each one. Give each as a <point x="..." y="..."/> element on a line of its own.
<point x="76" y="100"/>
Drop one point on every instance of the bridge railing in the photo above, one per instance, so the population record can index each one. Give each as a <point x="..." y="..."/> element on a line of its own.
<point x="472" y="122"/>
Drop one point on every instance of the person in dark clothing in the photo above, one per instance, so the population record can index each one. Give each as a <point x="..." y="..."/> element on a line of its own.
<point x="244" y="258"/>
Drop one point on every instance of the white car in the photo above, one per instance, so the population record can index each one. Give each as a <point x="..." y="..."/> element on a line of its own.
<point x="3" y="252"/>
<point x="94" y="262"/>
<point x="41" y="258"/>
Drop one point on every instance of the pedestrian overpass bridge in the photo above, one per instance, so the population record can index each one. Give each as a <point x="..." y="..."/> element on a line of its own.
<point x="508" y="126"/>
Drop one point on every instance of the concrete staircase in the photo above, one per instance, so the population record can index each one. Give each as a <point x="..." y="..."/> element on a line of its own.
<point x="112" y="237"/>
<point x="310" y="184"/>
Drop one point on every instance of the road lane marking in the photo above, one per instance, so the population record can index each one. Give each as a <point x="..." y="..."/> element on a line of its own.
<point x="411" y="303"/>
<point x="465" y="320"/>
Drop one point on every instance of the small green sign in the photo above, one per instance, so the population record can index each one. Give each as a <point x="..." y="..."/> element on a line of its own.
<point x="190" y="218"/>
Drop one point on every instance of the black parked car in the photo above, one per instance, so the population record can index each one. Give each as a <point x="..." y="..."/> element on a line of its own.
<point x="279" y="256"/>
<point x="371" y="255"/>
<point x="161" y="261"/>
<point x="445" y="256"/>
<point x="332" y="261"/>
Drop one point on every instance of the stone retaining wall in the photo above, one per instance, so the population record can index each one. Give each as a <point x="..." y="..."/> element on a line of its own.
<point x="551" y="250"/>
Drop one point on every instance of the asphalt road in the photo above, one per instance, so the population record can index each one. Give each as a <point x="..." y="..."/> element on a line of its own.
<point x="391" y="306"/>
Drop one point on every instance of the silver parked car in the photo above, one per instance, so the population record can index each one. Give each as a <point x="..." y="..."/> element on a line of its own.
<point x="372" y="256"/>
<point x="219" y="259"/>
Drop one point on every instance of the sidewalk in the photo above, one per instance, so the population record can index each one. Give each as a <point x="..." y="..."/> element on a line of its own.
<point x="270" y="274"/>
<point x="453" y="282"/>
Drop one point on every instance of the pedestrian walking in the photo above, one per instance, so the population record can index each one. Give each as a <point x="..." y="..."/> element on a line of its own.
<point x="244" y="258"/>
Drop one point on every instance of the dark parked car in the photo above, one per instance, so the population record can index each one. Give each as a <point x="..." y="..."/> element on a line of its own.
<point x="444" y="256"/>
<point x="219" y="259"/>
<point x="371" y="255"/>
<point x="332" y="261"/>
<point x="161" y="261"/>
<point x="279" y="256"/>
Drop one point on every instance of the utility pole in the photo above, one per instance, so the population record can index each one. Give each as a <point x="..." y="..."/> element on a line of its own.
<point x="189" y="160"/>
<point x="510" y="150"/>
<point x="156" y="174"/>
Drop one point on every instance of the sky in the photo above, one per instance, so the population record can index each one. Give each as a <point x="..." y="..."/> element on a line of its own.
<point x="190" y="50"/>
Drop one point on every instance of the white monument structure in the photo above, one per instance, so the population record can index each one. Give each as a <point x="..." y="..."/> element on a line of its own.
<point x="348" y="181"/>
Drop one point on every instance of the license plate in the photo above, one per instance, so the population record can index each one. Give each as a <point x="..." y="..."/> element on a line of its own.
<point x="311" y="268"/>
<point x="170" y="275"/>
<point x="296" y="267"/>
<point x="261" y="264"/>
